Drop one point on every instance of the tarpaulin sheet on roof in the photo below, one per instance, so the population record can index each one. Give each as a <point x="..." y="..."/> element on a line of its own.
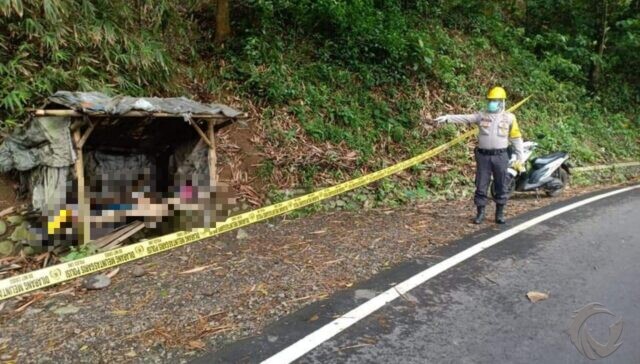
<point x="99" y="103"/>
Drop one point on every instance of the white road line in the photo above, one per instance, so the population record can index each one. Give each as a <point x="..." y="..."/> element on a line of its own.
<point x="340" y="324"/>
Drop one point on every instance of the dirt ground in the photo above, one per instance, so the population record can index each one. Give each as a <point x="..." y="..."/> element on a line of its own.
<point x="204" y="295"/>
<point x="7" y="192"/>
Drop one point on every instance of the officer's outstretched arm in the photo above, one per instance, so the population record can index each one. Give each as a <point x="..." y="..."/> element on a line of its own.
<point x="515" y="136"/>
<point x="461" y="119"/>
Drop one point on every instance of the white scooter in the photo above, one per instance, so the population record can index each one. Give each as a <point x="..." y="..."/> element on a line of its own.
<point x="550" y="172"/>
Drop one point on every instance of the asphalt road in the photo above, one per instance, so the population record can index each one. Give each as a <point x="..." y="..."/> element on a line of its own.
<point x="477" y="311"/>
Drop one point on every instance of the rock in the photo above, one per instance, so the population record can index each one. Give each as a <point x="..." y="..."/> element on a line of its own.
<point x="14" y="220"/>
<point x="3" y="227"/>
<point x="364" y="294"/>
<point x="341" y="203"/>
<point x="209" y="292"/>
<point x="6" y="248"/>
<point x="66" y="310"/>
<point x="242" y="234"/>
<point x="28" y="250"/>
<point x="97" y="281"/>
<point x="22" y="233"/>
<point x="138" y="271"/>
<point x="10" y="305"/>
<point x="30" y="311"/>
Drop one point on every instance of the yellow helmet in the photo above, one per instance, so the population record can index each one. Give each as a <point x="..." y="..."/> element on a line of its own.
<point x="497" y="93"/>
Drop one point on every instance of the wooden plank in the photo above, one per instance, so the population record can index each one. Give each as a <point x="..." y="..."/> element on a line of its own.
<point x="8" y="211"/>
<point x="114" y="239"/>
<point x="83" y="209"/>
<point x="73" y="113"/>
<point x="86" y="135"/>
<point x="78" y="123"/>
<point x="201" y="133"/>
<point x="106" y="239"/>
<point x="213" y="159"/>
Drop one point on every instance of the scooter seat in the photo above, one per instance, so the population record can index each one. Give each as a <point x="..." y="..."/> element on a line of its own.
<point x="549" y="158"/>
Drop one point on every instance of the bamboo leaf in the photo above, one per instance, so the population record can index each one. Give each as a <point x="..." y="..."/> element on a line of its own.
<point x="18" y="7"/>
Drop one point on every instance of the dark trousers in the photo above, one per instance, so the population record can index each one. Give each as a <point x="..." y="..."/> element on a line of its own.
<point x="486" y="166"/>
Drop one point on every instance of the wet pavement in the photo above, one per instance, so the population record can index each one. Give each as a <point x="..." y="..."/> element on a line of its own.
<point x="478" y="312"/>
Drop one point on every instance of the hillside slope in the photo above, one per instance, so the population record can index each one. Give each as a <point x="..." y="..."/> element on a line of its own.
<point x="341" y="88"/>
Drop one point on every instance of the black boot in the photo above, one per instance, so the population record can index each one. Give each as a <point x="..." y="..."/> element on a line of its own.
<point x="500" y="214"/>
<point x="479" y="216"/>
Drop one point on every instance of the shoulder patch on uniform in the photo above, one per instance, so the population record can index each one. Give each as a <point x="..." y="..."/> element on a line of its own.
<point x="515" y="130"/>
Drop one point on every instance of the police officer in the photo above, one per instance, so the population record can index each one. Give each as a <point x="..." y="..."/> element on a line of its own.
<point x="497" y="127"/>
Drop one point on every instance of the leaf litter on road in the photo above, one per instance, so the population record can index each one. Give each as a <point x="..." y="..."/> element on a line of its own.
<point x="535" y="296"/>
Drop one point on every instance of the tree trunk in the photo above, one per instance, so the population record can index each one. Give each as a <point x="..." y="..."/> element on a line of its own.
<point x="223" y="25"/>
<point x="596" y="67"/>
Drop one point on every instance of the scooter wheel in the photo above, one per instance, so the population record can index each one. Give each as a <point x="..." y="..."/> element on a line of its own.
<point x="563" y="176"/>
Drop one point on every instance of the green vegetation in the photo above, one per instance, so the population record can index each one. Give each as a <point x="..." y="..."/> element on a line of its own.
<point x="79" y="252"/>
<point x="367" y="73"/>
<point x="111" y="46"/>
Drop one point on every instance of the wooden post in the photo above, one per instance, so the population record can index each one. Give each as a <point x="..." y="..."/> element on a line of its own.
<point x="213" y="172"/>
<point x="83" y="210"/>
<point x="209" y="214"/>
<point x="203" y="137"/>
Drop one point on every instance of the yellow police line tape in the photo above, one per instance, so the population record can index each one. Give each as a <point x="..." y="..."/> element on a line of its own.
<point x="45" y="277"/>
<point x="605" y="166"/>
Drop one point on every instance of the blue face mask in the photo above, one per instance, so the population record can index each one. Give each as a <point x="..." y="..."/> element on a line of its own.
<point x="494" y="106"/>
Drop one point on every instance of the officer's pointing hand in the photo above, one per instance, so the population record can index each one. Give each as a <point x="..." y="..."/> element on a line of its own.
<point x="441" y="120"/>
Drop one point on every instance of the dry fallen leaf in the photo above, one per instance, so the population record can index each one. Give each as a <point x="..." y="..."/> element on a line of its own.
<point x="535" y="296"/>
<point x="113" y="272"/>
<point x="66" y="291"/>
<point x="36" y="298"/>
<point x="9" y="267"/>
<point x="261" y="288"/>
<point x="197" y="269"/>
<point x="196" y="344"/>
<point x="314" y="317"/>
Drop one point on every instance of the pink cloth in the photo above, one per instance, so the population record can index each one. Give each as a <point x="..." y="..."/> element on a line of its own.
<point x="186" y="192"/>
